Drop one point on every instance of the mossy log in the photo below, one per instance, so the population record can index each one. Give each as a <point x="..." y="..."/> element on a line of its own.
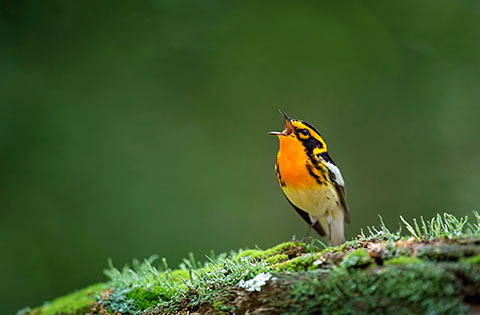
<point x="435" y="270"/>
<point x="445" y="281"/>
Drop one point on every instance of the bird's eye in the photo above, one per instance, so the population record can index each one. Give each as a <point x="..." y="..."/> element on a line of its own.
<point x="305" y="132"/>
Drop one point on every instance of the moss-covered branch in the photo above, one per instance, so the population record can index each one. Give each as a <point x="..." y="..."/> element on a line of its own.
<point x="434" y="269"/>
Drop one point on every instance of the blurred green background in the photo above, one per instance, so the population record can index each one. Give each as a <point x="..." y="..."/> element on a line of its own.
<point x="132" y="128"/>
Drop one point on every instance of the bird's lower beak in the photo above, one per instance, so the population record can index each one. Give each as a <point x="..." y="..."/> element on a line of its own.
<point x="288" y="126"/>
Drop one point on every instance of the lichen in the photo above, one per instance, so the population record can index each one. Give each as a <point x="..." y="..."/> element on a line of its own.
<point x="256" y="283"/>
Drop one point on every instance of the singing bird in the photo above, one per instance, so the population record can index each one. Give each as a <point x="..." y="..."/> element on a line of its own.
<point x="310" y="180"/>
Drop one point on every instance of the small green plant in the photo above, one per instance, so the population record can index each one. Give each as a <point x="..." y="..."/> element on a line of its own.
<point x="442" y="226"/>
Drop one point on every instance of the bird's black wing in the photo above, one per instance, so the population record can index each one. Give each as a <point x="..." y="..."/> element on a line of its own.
<point x="336" y="177"/>
<point x="307" y="218"/>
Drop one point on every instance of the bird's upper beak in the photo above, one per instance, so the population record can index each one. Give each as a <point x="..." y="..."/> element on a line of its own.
<point x="288" y="126"/>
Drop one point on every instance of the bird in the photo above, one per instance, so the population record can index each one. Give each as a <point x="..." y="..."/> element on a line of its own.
<point x="310" y="180"/>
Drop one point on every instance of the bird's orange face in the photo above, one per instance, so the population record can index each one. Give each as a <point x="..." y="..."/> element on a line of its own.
<point x="299" y="144"/>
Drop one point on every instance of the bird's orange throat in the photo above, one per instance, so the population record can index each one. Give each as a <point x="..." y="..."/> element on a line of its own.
<point x="292" y="162"/>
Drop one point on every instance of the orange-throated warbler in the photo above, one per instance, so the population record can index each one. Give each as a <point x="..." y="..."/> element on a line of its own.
<point x="310" y="179"/>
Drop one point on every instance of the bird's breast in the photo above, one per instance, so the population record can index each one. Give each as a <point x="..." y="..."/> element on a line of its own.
<point x="292" y="167"/>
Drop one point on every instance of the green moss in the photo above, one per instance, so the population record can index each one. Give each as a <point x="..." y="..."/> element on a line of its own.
<point x="146" y="298"/>
<point x="276" y="259"/>
<point x="357" y="258"/>
<point x="287" y="248"/>
<point x="345" y="246"/>
<point x="221" y="307"/>
<point x="301" y="263"/>
<point x="72" y="302"/>
<point x="180" y="274"/>
<point x="251" y="253"/>
<point x="403" y="260"/>
<point x="403" y="289"/>
<point x="285" y="256"/>
<point x="474" y="260"/>
<point x="403" y="284"/>
<point x="217" y="305"/>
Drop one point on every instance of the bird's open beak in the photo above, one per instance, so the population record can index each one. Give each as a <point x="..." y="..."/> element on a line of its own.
<point x="288" y="126"/>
